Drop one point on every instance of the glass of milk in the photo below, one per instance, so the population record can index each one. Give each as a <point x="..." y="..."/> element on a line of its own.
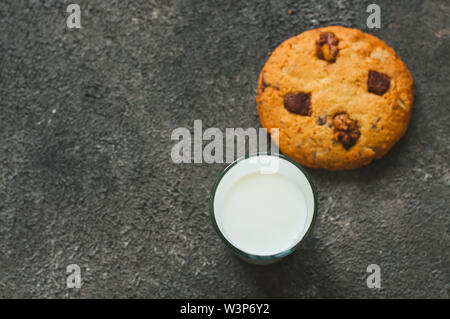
<point x="263" y="206"/>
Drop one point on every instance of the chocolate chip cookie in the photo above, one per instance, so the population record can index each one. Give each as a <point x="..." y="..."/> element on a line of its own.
<point x="339" y="97"/>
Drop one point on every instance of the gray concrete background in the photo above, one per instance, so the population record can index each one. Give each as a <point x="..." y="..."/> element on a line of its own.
<point x="85" y="171"/>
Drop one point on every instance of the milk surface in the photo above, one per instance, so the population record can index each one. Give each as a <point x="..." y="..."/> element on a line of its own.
<point x="263" y="214"/>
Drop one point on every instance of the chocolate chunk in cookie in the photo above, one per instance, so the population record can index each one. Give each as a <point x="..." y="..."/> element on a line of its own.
<point x="378" y="83"/>
<point x="327" y="47"/>
<point x="322" y="120"/>
<point x="298" y="103"/>
<point x="264" y="85"/>
<point x="346" y="130"/>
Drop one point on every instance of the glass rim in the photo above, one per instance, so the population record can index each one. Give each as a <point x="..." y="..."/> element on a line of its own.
<point x="233" y="247"/>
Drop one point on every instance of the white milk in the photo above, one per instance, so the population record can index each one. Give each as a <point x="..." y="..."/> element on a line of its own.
<point x="263" y="214"/>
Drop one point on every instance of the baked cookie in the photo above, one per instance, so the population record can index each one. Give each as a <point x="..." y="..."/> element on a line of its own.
<point x="340" y="97"/>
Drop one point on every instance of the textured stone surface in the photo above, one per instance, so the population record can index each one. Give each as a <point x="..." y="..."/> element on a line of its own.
<point x="85" y="171"/>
